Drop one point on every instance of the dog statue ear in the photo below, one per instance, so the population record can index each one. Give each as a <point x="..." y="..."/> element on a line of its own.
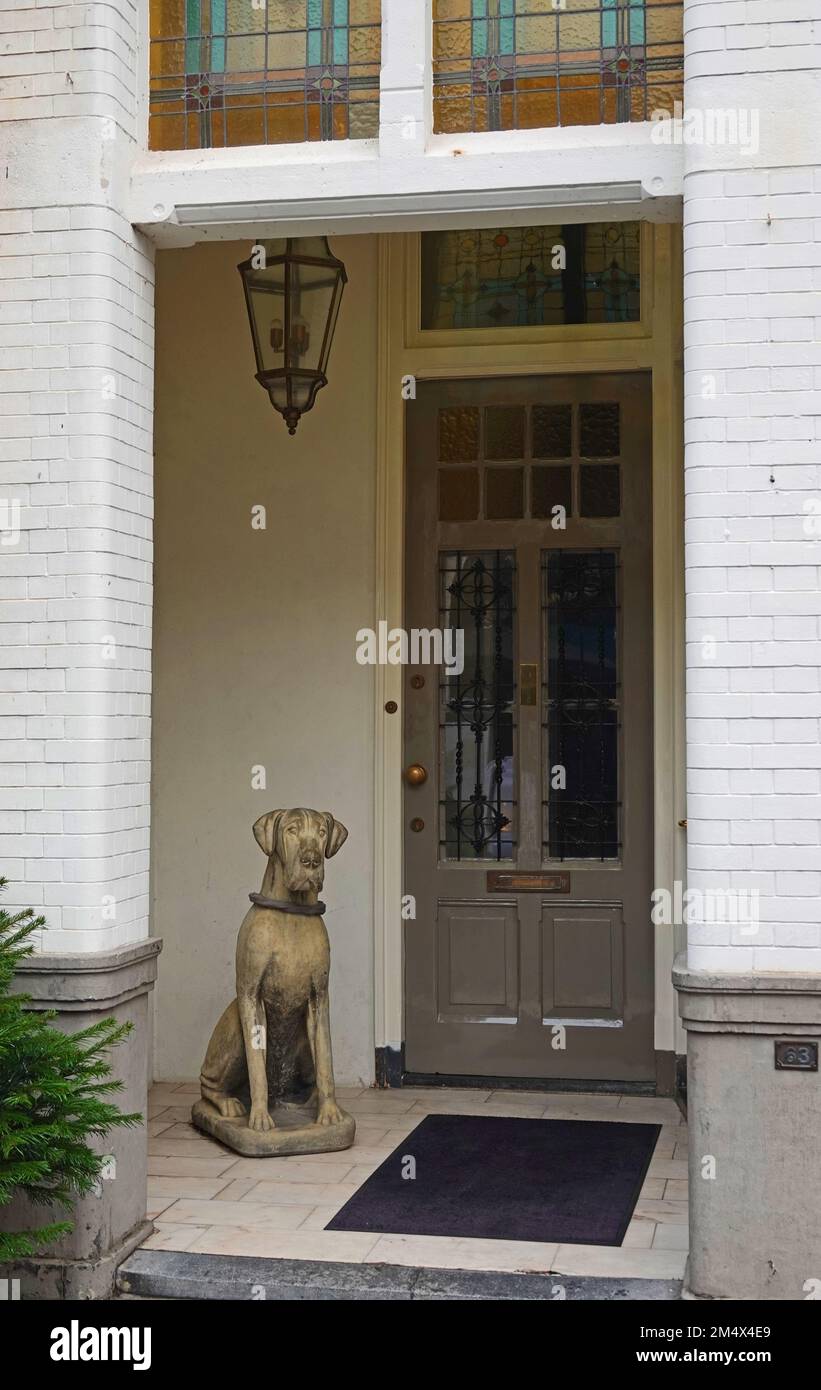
<point x="265" y="831"/>
<point x="337" y="835"/>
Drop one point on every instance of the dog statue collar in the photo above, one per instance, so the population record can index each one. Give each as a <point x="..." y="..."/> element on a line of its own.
<point x="296" y="909"/>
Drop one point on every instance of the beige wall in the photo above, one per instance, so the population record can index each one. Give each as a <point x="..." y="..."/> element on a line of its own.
<point x="254" y="640"/>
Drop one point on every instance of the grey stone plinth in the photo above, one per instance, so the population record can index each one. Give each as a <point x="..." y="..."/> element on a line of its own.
<point x="294" y="1132"/>
<point x="107" y="1227"/>
<point x="755" y="1226"/>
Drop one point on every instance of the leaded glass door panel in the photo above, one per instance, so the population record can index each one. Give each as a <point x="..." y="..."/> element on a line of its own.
<point x="528" y="844"/>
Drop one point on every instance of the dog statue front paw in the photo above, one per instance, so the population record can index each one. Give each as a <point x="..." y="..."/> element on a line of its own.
<point x="329" y="1113"/>
<point x="259" y="1119"/>
<point x="229" y="1107"/>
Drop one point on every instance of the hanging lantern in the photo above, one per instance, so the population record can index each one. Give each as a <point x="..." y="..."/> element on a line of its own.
<point x="293" y="289"/>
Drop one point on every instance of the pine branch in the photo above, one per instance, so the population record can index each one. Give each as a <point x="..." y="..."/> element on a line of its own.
<point x="54" y="1090"/>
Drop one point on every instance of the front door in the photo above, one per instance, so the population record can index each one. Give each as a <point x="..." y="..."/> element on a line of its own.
<point x="529" y="843"/>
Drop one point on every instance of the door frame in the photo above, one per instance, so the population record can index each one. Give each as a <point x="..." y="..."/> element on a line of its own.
<point x="654" y="345"/>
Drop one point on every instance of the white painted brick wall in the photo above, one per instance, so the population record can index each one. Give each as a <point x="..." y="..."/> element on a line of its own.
<point x="76" y="394"/>
<point x="753" y="468"/>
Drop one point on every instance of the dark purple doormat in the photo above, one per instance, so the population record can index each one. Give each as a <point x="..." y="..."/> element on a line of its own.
<point x="572" y="1181"/>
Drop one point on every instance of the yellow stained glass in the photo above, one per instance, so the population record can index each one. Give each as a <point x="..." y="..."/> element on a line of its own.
<point x="226" y="73"/>
<point x="597" y="61"/>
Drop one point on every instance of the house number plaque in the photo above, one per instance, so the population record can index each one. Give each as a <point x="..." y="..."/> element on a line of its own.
<point x="500" y="882"/>
<point x="796" y="1055"/>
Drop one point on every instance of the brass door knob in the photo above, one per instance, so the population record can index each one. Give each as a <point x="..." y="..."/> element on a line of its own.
<point x="415" y="775"/>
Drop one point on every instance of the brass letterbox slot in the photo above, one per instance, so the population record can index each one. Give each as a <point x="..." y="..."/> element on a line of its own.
<point x="498" y="881"/>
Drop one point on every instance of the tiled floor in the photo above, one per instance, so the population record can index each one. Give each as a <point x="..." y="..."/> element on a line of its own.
<point x="204" y="1198"/>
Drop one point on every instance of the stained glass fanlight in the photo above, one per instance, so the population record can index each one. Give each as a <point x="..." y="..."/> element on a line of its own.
<point x="527" y="277"/>
<point x="243" y="72"/>
<point x="512" y="64"/>
<point x="293" y="290"/>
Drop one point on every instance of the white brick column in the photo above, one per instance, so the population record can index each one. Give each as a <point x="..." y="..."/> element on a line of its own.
<point x="752" y="313"/>
<point x="752" y="288"/>
<point x="76" y="352"/>
<point x="76" y="364"/>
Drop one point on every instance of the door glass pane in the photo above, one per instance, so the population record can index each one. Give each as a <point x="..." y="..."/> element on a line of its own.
<point x="504" y="494"/>
<point x="458" y="494"/>
<point x="459" y="434"/>
<point x="504" y="432"/>
<point x="599" y="489"/>
<point x="477" y="707"/>
<point x="551" y="487"/>
<point x="581" y="704"/>
<point x="552" y="431"/>
<point x="600" y="430"/>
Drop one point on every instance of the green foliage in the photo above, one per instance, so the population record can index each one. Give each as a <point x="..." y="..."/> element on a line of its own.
<point x="53" y="1098"/>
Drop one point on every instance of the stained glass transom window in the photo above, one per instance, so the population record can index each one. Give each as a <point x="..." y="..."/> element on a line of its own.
<point x="515" y="277"/>
<point x="509" y="64"/>
<point x="233" y="72"/>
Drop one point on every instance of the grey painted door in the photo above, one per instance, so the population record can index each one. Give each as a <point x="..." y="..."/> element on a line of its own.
<point x="528" y="847"/>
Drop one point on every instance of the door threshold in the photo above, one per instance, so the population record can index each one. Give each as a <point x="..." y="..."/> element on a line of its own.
<point x="524" y="1083"/>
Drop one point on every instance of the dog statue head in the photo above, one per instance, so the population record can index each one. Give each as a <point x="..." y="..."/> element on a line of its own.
<point x="298" y="842"/>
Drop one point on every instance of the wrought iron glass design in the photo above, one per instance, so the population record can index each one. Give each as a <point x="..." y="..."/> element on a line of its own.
<point x="477" y="708"/>
<point x="529" y="277"/>
<point x="226" y="73"/>
<point x="510" y="64"/>
<point x="581" y="704"/>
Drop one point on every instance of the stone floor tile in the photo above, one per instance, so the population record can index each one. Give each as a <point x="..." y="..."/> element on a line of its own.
<point x="263" y="1216"/>
<point x="381" y="1103"/>
<point x="639" y="1234"/>
<point x="350" y="1247"/>
<point x="167" y="1236"/>
<point x="174" y="1166"/>
<point x="185" y="1187"/>
<point x="671" y="1235"/>
<point x="156" y="1206"/>
<point x="457" y="1252"/>
<point x="675" y="1212"/>
<point x="610" y="1261"/>
<point x="649" y="1109"/>
<point x="667" y="1168"/>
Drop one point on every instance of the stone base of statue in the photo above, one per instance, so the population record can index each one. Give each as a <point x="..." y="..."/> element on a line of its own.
<point x="295" y="1132"/>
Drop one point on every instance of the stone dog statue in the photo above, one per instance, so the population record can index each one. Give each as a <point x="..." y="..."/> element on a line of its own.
<point x="267" y="1082"/>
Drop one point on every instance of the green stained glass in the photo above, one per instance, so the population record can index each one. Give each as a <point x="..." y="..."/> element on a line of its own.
<point x="228" y="72"/>
<point x="517" y="277"/>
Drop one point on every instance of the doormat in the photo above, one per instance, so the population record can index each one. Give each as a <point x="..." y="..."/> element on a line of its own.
<point x="494" y="1178"/>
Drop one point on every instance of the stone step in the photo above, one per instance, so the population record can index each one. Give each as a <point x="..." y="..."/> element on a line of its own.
<point x="182" y="1275"/>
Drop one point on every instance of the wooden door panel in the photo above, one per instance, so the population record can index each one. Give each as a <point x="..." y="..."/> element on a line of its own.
<point x="582" y="963"/>
<point x="478" y="963"/>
